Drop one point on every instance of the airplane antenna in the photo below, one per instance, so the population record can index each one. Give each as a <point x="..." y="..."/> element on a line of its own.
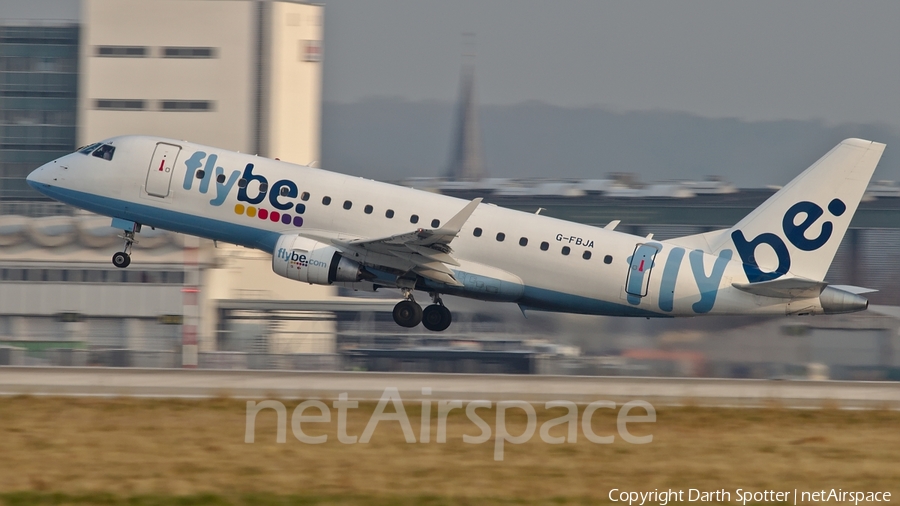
<point x="539" y="210"/>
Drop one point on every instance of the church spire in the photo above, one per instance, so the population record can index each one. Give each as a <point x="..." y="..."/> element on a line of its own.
<point x="466" y="158"/>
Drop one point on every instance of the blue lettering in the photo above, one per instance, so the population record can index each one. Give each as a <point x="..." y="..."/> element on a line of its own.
<point x="193" y="163"/>
<point x="223" y="189"/>
<point x="796" y="233"/>
<point x="249" y="176"/>
<point x="669" y="277"/>
<point x="275" y="192"/>
<point x="207" y="173"/>
<point x="709" y="286"/>
<point x="747" y="251"/>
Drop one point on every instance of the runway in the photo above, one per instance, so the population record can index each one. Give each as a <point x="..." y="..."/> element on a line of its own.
<point x="369" y="386"/>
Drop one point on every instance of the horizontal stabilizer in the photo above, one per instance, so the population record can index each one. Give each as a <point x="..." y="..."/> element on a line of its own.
<point x="790" y="288"/>
<point x="858" y="290"/>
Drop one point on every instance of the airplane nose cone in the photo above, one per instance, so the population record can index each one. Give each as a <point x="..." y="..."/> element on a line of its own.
<point x="32" y="178"/>
<point x="41" y="178"/>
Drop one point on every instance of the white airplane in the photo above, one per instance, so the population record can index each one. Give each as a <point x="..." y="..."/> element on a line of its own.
<point x="332" y="229"/>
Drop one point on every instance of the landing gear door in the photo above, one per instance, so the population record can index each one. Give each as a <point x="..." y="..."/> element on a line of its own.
<point x="638" y="281"/>
<point x="159" y="174"/>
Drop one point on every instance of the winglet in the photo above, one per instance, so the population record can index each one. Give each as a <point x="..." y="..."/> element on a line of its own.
<point x="454" y="224"/>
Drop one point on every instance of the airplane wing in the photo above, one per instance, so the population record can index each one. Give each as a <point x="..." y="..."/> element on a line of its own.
<point x="428" y="250"/>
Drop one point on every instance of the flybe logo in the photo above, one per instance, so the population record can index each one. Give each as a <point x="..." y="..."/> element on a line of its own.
<point x="255" y="202"/>
<point x="796" y="235"/>
<point x="708" y="283"/>
<point x="298" y="259"/>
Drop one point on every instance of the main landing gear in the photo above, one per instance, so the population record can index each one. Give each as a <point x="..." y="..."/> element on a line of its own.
<point x="122" y="259"/>
<point x="436" y="317"/>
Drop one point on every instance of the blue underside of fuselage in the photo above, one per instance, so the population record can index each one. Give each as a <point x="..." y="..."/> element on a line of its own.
<point x="533" y="298"/>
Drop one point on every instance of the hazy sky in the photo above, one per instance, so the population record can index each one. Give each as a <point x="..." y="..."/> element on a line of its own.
<point x="752" y="60"/>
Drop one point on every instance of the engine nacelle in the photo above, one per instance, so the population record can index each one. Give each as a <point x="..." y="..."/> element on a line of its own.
<point x="310" y="261"/>
<point x="837" y="301"/>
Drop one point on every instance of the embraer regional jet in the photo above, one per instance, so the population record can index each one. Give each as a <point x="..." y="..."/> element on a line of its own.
<point x="332" y="229"/>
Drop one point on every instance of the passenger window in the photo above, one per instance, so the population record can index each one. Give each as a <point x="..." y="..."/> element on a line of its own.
<point x="221" y="179"/>
<point x="566" y="250"/>
<point x="368" y="209"/>
<point x="263" y="187"/>
<point x="435" y="223"/>
<point x="300" y="208"/>
<point x="242" y="183"/>
<point x="523" y="241"/>
<point x="389" y="213"/>
<point x="326" y="200"/>
<point x="348" y="204"/>
<point x="500" y="236"/>
<point x="304" y="196"/>
<point x="105" y="152"/>
<point x="545" y="246"/>
<point x="586" y="255"/>
<point x="477" y="232"/>
<point x="201" y="173"/>
<point x="284" y="189"/>
<point x="607" y="259"/>
<point x="414" y="218"/>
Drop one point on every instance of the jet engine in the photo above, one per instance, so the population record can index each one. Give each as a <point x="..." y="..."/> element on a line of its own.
<point x="837" y="301"/>
<point x="303" y="259"/>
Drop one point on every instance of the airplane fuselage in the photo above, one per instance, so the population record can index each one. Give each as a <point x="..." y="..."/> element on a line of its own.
<point x="536" y="261"/>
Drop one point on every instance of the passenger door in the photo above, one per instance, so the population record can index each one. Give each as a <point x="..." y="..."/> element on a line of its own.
<point x="638" y="281"/>
<point x="159" y="174"/>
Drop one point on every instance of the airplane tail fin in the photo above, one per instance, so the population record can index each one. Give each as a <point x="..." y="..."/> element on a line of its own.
<point x="797" y="231"/>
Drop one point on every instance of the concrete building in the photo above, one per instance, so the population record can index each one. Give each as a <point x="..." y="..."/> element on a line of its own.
<point x="38" y="89"/>
<point x="243" y="75"/>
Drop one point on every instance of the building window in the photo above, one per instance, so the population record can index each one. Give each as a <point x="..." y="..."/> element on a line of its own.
<point x="121" y="104"/>
<point x="311" y="50"/>
<point x="477" y="232"/>
<point x="500" y="236"/>
<point x="389" y="213"/>
<point x="121" y="51"/>
<point x="545" y="246"/>
<point x="326" y="200"/>
<point x="607" y="259"/>
<point x="566" y="250"/>
<point x="523" y="241"/>
<point x="414" y="218"/>
<point x="348" y="204"/>
<point x="186" y="105"/>
<point x="435" y="223"/>
<point x="586" y="255"/>
<point x="189" y="52"/>
<point x="368" y="209"/>
<point x="304" y="196"/>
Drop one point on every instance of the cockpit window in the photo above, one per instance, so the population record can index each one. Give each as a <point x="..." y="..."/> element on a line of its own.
<point x="86" y="150"/>
<point x="105" y="152"/>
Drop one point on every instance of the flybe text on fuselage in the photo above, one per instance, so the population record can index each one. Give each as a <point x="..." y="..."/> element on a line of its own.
<point x="278" y="193"/>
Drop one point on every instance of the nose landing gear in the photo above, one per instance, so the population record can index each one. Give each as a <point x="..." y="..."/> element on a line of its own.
<point x="122" y="259"/>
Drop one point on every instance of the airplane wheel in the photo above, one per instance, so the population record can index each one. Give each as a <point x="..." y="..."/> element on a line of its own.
<point x="436" y="317"/>
<point x="407" y="314"/>
<point x="121" y="260"/>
